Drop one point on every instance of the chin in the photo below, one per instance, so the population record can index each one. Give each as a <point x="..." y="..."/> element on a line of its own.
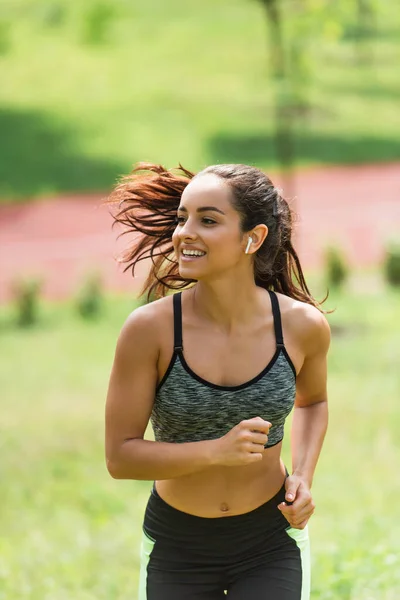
<point x="191" y="270"/>
<point x="188" y="272"/>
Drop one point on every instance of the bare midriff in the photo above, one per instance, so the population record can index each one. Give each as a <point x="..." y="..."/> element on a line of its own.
<point x="226" y="491"/>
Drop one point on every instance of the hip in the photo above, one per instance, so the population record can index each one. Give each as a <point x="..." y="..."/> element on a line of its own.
<point x="263" y="529"/>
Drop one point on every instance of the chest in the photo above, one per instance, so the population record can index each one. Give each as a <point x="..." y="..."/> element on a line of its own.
<point x="189" y="408"/>
<point x="226" y="359"/>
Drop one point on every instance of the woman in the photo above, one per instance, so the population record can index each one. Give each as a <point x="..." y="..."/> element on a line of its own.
<point x="217" y="369"/>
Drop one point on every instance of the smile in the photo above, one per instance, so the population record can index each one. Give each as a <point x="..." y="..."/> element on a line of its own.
<point x="192" y="253"/>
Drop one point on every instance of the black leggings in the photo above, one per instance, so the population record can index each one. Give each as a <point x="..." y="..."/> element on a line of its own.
<point x="253" y="555"/>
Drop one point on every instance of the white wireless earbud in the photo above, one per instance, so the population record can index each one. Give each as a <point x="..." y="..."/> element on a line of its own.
<point x="249" y="243"/>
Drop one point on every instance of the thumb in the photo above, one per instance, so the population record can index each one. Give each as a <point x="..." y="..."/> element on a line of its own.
<point x="291" y="489"/>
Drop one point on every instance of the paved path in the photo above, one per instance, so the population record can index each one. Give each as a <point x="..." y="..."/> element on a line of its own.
<point x="63" y="239"/>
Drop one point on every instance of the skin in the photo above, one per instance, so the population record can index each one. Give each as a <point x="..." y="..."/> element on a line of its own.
<point x="228" y="337"/>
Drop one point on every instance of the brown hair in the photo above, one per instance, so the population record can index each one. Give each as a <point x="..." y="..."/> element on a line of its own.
<point x="148" y="200"/>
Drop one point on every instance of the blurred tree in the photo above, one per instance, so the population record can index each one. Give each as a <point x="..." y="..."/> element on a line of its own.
<point x="365" y="29"/>
<point x="90" y="298"/>
<point x="5" y="37"/>
<point x="295" y="26"/>
<point x="52" y="14"/>
<point x="98" y="20"/>
<point x="26" y="295"/>
<point x="392" y="264"/>
<point x="336" y="267"/>
<point x="284" y="135"/>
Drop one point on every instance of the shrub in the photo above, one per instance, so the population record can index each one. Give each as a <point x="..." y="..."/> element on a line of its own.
<point x="97" y="24"/>
<point x="337" y="270"/>
<point x="5" y="37"/>
<point x="53" y="14"/>
<point x="26" y="294"/>
<point x="392" y="264"/>
<point x="90" y="298"/>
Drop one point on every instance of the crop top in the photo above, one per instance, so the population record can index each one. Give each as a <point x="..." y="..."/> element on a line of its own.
<point x="188" y="408"/>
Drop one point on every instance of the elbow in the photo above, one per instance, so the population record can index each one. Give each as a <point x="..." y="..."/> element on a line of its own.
<point x="120" y="469"/>
<point x="122" y="466"/>
<point x="114" y="460"/>
<point x="114" y="469"/>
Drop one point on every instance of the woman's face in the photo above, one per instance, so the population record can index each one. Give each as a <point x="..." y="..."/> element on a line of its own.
<point x="208" y="241"/>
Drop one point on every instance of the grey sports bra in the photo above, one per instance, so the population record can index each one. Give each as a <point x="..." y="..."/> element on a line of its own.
<point x="188" y="408"/>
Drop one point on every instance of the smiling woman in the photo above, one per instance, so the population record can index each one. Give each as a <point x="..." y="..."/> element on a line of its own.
<point x="148" y="201"/>
<point x="217" y="368"/>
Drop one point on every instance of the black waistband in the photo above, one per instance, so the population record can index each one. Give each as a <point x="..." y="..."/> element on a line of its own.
<point x="184" y="518"/>
<point x="215" y="537"/>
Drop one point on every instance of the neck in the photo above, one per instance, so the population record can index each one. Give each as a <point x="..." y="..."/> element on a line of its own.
<point x="227" y="301"/>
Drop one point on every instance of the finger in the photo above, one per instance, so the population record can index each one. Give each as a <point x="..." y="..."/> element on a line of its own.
<point x="255" y="456"/>
<point x="291" y="486"/>
<point x="257" y="424"/>
<point x="302" y="500"/>
<point x="300" y="525"/>
<point x="286" y="508"/>
<point x="298" y="518"/>
<point x="302" y="503"/>
<point x="259" y="438"/>
<point x="256" y="448"/>
<point x="296" y="507"/>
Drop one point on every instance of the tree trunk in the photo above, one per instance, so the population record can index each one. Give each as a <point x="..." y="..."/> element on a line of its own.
<point x="284" y="118"/>
<point x="366" y="27"/>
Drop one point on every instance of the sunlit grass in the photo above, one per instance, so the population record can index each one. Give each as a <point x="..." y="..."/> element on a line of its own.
<point x="70" y="531"/>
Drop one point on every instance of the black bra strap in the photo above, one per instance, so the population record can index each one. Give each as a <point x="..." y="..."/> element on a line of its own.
<point x="177" y="303"/>
<point x="277" y="319"/>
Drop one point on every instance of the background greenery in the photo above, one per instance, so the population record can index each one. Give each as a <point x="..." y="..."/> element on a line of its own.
<point x="87" y="89"/>
<point x="70" y="531"/>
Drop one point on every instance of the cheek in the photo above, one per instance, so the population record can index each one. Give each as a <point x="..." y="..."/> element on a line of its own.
<point x="175" y="239"/>
<point x="229" y="248"/>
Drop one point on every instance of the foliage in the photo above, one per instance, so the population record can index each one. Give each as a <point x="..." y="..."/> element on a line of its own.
<point x="146" y="92"/>
<point x="336" y="267"/>
<point x="296" y="31"/>
<point x="90" y="298"/>
<point x="392" y="264"/>
<point x="5" y="37"/>
<point x="97" y="23"/>
<point x="63" y="518"/>
<point x="26" y="296"/>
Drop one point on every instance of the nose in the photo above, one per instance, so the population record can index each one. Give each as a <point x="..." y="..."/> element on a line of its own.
<point x="187" y="231"/>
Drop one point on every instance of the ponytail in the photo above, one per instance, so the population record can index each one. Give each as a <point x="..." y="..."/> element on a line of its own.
<point x="283" y="273"/>
<point x="146" y="203"/>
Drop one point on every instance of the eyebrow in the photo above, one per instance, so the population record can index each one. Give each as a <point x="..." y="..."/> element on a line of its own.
<point x="202" y="209"/>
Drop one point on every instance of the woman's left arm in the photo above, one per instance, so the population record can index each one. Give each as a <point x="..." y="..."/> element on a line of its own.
<point x="310" y="420"/>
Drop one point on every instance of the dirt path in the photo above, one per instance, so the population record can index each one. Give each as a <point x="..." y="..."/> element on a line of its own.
<point x="63" y="239"/>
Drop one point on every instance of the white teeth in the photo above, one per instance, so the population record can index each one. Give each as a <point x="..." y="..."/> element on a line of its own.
<point x="192" y="253"/>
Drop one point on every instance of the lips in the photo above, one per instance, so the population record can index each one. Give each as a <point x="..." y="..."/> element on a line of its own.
<point x="190" y="253"/>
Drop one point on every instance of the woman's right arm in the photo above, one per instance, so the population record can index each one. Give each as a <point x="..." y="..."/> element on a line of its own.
<point x="129" y="404"/>
<point x="128" y="408"/>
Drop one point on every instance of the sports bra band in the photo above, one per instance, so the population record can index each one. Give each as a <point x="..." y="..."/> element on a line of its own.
<point x="177" y="302"/>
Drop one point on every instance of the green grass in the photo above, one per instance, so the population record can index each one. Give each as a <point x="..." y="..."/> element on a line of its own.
<point x="175" y="82"/>
<point x="70" y="531"/>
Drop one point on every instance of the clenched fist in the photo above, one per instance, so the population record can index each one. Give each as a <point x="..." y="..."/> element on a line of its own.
<point x="243" y="444"/>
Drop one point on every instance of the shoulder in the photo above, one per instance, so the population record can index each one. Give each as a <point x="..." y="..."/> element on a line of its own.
<point x="143" y="328"/>
<point x="307" y="323"/>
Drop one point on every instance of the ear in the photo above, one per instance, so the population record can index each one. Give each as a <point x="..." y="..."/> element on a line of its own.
<point x="258" y="235"/>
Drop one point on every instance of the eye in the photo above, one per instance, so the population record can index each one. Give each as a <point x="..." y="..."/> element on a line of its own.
<point x="179" y="220"/>
<point x="208" y="221"/>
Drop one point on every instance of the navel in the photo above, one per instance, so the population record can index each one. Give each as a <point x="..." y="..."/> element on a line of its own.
<point x="224" y="507"/>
